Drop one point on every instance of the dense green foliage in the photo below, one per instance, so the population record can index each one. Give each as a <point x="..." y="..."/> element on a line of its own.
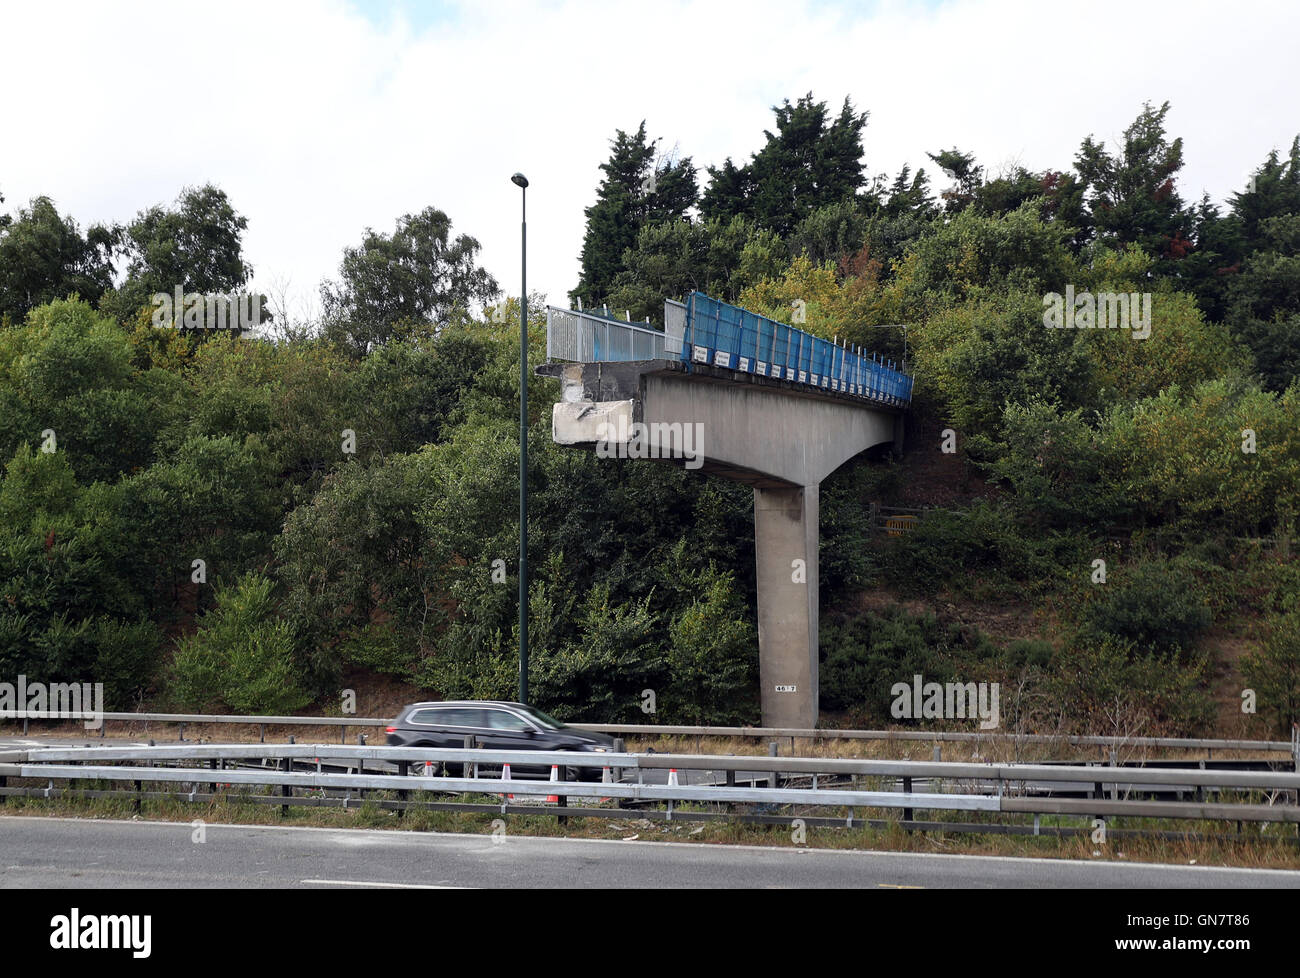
<point x="227" y="522"/>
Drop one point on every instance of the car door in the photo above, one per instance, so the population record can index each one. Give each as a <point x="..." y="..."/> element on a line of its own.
<point x="507" y="730"/>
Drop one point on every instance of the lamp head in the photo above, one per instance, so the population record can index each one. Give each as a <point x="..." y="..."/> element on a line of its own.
<point x="519" y="180"/>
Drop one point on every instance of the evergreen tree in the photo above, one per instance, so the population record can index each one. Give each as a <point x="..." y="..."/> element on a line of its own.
<point x="1133" y="198"/>
<point x="966" y="174"/>
<point x="728" y="193"/>
<point x="636" y="191"/>
<point x="806" y="164"/>
<point x="909" y="194"/>
<point x="1273" y="191"/>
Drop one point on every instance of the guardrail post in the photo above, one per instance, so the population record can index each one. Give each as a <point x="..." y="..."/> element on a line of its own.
<point x="25" y="721"/>
<point x="619" y="748"/>
<point x="285" y="789"/>
<point x="772" y="751"/>
<point x="4" y="783"/>
<point x="938" y="752"/>
<point x="261" y="737"/>
<point x="403" y="769"/>
<point x="343" y="733"/>
<point x="907" y="790"/>
<point x="182" y="733"/>
<point x="212" y="786"/>
<point x="136" y="803"/>
<point x="468" y="770"/>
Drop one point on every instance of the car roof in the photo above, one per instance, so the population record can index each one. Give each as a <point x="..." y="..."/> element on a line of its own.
<point x="465" y="703"/>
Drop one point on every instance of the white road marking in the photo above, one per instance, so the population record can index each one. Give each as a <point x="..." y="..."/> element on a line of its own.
<point x="389" y="886"/>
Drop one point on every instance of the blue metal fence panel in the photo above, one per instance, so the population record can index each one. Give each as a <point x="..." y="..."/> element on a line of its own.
<point x="724" y="335"/>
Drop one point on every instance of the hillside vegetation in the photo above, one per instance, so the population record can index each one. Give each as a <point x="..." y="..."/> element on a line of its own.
<point x="212" y="520"/>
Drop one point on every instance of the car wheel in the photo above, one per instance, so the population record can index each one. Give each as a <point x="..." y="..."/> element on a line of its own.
<point x="421" y="769"/>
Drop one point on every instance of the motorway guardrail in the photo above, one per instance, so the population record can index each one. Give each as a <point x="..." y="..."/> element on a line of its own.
<point x="664" y="730"/>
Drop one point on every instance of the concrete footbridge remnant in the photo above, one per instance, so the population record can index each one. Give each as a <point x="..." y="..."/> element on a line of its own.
<point x="741" y="396"/>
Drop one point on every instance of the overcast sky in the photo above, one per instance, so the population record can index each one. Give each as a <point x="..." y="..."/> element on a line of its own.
<point x="320" y="119"/>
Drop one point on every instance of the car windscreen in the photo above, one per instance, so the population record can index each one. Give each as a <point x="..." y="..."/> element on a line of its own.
<point x="540" y="718"/>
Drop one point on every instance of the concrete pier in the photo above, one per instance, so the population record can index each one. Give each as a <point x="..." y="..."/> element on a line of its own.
<point x="780" y="438"/>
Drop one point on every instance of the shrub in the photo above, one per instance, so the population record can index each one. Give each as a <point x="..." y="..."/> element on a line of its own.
<point x="980" y="551"/>
<point x="1109" y="687"/>
<point x="1274" y="671"/>
<point x="1157" y="605"/>
<point x="865" y="656"/>
<point x="241" y="657"/>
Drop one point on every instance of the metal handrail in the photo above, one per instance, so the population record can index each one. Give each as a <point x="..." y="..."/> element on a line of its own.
<point x="583" y="337"/>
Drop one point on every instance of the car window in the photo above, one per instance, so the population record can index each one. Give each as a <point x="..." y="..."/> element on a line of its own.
<point x="502" y="720"/>
<point x="463" y="717"/>
<point x="449" y="717"/>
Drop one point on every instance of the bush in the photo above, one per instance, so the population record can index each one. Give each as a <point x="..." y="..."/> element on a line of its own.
<point x="1110" y="688"/>
<point x="1157" y="605"/>
<point x="241" y="657"/>
<point x="981" y="551"/>
<point x="600" y="676"/>
<point x="712" y="658"/>
<point x="863" y="657"/>
<point x="1274" y="672"/>
<point x="1056" y="464"/>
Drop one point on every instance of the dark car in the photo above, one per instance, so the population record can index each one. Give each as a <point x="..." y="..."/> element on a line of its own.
<point x="495" y="725"/>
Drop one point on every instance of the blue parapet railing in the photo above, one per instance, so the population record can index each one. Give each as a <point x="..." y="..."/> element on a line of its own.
<point x="722" y="335"/>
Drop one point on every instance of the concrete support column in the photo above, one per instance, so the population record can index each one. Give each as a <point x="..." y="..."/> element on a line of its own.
<point x="785" y="548"/>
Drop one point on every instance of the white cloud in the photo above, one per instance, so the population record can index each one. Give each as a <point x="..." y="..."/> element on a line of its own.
<point x="319" y="119"/>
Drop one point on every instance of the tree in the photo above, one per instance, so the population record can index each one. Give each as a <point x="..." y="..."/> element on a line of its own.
<point x="1263" y="302"/>
<point x="196" y="245"/>
<point x="637" y="191"/>
<point x="712" y="654"/>
<point x="729" y="191"/>
<point x="806" y="164"/>
<point x="67" y="370"/>
<point x="831" y="233"/>
<point x="720" y="256"/>
<point x="1132" y="195"/>
<point x="419" y="275"/>
<point x="1273" y="191"/>
<point x="966" y="174"/>
<point x="44" y="256"/>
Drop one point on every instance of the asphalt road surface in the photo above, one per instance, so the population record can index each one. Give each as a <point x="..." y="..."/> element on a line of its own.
<point x="93" y="854"/>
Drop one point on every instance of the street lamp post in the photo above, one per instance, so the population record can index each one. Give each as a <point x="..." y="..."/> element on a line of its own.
<point x="521" y="181"/>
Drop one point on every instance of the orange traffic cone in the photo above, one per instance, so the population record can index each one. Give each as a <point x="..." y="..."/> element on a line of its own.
<point x="505" y="776"/>
<point x="555" y="777"/>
